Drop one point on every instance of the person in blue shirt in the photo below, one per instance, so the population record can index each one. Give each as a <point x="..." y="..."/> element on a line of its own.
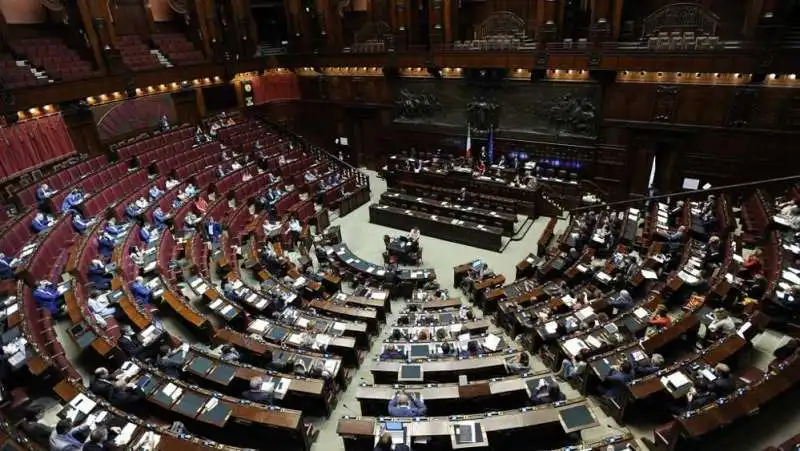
<point x="145" y="234"/>
<point x="6" y="269"/>
<point x="132" y="211"/>
<point x="98" y="275"/>
<point x="112" y="228"/>
<point x="72" y="201"/>
<point x="176" y="203"/>
<point x="155" y="192"/>
<point x="40" y="223"/>
<point x="655" y="363"/>
<point x="213" y="231"/>
<point x="47" y="297"/>
<point x="159" y="218"/>
<point x="405" y="405"/>
<point x="140" y="292"/>
<point x="230" y="293"/>
<point x="392" y="353"/>
<point x="622" y="302"/>
<point x="80" y="224"/>
<point x="105" y="245"/>
<point x="43" y="192"/>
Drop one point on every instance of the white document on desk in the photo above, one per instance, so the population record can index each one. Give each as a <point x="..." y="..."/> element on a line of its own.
<point x="491" y="342"/>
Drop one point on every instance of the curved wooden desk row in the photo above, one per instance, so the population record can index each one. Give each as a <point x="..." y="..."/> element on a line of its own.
<point x="501" y="393"/>
<point x="447" y="369"/>
<point x="139" y="431"/>
<point x="342" y="254"/>
<point x="448" y="322"/>
<point x="510" y="427"/>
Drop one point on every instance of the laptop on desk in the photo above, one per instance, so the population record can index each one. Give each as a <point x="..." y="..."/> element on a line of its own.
<point x="467" y="434"/>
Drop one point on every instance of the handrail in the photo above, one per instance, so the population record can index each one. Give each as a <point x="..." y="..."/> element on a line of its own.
<point x="714" y="190"/>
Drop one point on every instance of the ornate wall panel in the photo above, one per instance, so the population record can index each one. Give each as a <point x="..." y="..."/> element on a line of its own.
<point x="564" y="109"/>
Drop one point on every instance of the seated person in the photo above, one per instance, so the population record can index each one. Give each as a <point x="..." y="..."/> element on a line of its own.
<point x="229" y="354"/>
<point x="79" y="224"/>
<point x="617" y="380"/>
<point x="295" y="229"/>
<point x="414" y="234"/>
<point x="47" y="297"/>
<point x="6" y="267"/>
<point x="385" y="444"/>
<point x="724" y="384"/>
<point x="646" y="369"/>
<point x="64" y="437"/>
<point x="622" y="302"/>
<point x="101" y="383"/>
<point x="41" y="222"/>
<point x="171" y="182"/>
<point x="105" y="245"/>
<point x="72" y="201"/>
<point x="99" y="305"/>
<point x="546" y="394"/>
<point x="230" y="293"/>
<point x="675" y="236"/>
<point x="446" y="349"/>
<point x="125" y="394"/>
<point x="35" y="431"/>
<point x="518" y="364"/>
<point x="112" y="228"/>
<point x="147" y="234"/>
<point x="99" y="276"/>
<point x="713" y="254"/>
<point x="154" y="192"/>
<point x="159" y="219"/>
<point x="573" y="368"/>
<point x="133" y="212"/>
<point x="43" y="192"/>
<point x="170" y="361"/>
<point x="257" y="394"/>
<point x="190" y="222"/>
<point x="131" y="346"/>
<point x="390" y="352"/>
<point x="405" y="405"/>
<point x="471" y="351"/>
<point x="97" y="440"/>
<point x="201" y="205"/>
<point x="753" y="264"/>
<point x="309" y="176"/>
<point x="659" y="319"/>
<point x="141" y="293"/>
<point x="723" y="324"/>
<point x="700" y="395"/>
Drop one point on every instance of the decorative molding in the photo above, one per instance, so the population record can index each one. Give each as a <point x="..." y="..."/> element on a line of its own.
<point x="665" y="103"/>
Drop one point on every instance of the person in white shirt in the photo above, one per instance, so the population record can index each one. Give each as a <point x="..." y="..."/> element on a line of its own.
<point x="722" y="324"/>
<point x="171" y="183"/>
<point x="235" y="166"/>
<point x="99" y="305"/>
<point x="142" y="203"/>
<point x="294" y="230"/>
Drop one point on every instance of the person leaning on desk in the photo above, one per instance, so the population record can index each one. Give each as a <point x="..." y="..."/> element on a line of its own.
<point x="405" y="405"/>
<point x="385" y="444"/>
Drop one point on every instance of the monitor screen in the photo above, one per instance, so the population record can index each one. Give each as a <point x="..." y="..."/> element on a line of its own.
<point x="420" y="351"/>
<point x="576" y="417"/>
<point x="410" y="373"/>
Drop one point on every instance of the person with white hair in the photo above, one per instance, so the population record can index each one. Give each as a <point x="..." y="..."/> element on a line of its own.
<point x="622" y="302"/>
<point x="405" y="405"/>
<point x="101" y="383"/>
<point x="256" y="392"/>
<point x="43" y="192"/>
<point x="647" y="368"/>
<point x="97" y="440"/>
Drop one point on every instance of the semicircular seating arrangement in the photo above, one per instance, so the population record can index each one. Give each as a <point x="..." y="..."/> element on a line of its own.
<point x="195" y="296"/>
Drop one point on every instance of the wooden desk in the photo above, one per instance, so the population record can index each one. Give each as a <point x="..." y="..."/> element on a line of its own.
<point x="446" y="369"/>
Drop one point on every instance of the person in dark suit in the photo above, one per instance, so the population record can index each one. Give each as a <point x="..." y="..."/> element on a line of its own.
<point x="100" y="384"/>
<point x="6" y="268"/>
<point x="97" y="440"/>
<point x="702" y="396"/>
<point x="168" y="361"/>
<point x="256" y="394"/>
<point x="125" y="395"/>
<point x="724" y="384"/>
<point x="98" y="276"/>
<point x="546" y="394"/>
<point x="617" y="379"/>
<point x="35" y="431"/>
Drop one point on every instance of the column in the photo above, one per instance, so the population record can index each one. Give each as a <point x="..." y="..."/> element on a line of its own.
<point x="82" y="128"/>
<point x="616" y="21"/>
<point x="601" y="20"/>
<point x="435" y="18"/>
<point x="97" y="14"/>
<point x="80" y="12"/>
<point x="448" y="20"/>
